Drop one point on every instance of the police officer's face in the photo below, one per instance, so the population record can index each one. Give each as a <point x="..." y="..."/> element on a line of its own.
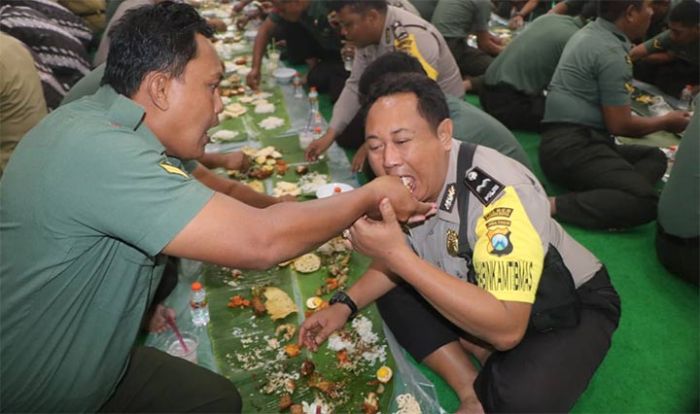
<point x="360" y="28"/>
<point x="193" y="104"/>
<point x="402" y="143"/>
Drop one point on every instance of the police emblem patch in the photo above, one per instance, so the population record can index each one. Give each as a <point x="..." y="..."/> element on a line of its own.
<point x="452" y="242"/>
<point x="499" y="242"/>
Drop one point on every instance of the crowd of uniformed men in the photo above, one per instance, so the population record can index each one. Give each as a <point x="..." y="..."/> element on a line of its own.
<point x="104" y="177"/>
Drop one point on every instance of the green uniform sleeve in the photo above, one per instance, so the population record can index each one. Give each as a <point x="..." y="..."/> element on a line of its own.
<point x="658" y="43"/>
<point x="614" y="72"/>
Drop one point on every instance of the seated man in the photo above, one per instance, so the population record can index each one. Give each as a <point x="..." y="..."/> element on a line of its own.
<point x="670" y="59"/>
<point x="457" y="19"/>
<point x="679" y="210"/>
<point x="587" y="104"/>
<point x="311" y="38"/>
<point x="22" y="103"/>
<point x="483" y="276"/>
<point x="376" y="28"/>
<point x="95" y="197"/>
<point x="515" y="81"/>
<point x="470" y="123"/>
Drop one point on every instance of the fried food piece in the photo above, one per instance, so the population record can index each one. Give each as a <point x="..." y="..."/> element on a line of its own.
<point x="307" y="368"/>
<point x="258" y="306"/>
<point x="292" y="350"/>
<point x="285" y="402"/>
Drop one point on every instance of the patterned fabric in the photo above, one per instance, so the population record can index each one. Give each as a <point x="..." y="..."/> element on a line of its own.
<point x="56" y="36"/>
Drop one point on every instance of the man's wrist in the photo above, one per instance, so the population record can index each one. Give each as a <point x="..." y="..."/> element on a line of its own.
<point x="343" y="298"/>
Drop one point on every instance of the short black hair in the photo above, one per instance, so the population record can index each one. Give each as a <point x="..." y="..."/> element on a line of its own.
<point x="388" y="64"/>
<point x="611" y="10"/>
<point x="687" y="13"/>
<point x="431" y="100"/>
<point x="359" y="6"/>
<point x="152" y="38"/>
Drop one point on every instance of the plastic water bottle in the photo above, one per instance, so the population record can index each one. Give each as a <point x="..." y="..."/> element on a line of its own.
<point x="313" y="99"/>
<point x="315" y="118"/>
<point x="198" y="305"/>
<point x="687" y="97"/>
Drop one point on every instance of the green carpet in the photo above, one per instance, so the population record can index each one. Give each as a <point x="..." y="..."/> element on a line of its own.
<point x="654" y="363"/>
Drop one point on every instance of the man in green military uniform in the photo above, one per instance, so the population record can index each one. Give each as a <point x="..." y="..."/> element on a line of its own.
<point x="670" y="59"/>
<point x="515" y="82"/>
<point x="98" y="194"/>
<point x="377" y="28"/>
<point x="612" y="186"/>
<point x="457" y="19"/>
<point x="470" y="124"/>
<point x="474" y="279"/>
<point x="677" y="236"/>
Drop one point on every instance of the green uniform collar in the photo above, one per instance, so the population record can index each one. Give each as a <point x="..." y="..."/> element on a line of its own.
<point x="125" y="113"/>
<point x="605" y="25"/>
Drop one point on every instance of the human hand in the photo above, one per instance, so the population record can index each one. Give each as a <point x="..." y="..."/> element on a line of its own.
<point x="236" y="160"/>
<point x="676" y="121"/>
<point x="516" y="22"/>
<point x="348" y="50"/>
<point x="406" y="208"/>
<point x="319" y="326"/>
<point x="218" y="25"/>
<point x="378" y="239"/>
<point x="319" y="146"/>
<point x="253" y="78"/>
<point x="358" y="161"/>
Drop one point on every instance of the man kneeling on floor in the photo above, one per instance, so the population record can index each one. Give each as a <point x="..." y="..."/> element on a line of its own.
<point x="491" y="275"/>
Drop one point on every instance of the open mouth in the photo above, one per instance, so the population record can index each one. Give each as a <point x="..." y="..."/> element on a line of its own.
<point x="409" y="182"/>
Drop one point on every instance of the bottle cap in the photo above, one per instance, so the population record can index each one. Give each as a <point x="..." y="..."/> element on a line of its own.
<point x="317" y="129"/>
<point x="196" y="286"/>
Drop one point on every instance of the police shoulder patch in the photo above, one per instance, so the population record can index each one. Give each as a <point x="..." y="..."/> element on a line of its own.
<point x="483" y="186"/>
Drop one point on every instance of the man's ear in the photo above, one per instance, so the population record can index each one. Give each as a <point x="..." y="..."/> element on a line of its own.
<point x="444" y="133"/>
<point x="157" y="85"/>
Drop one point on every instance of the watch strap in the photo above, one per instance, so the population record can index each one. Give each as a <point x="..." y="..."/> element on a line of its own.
<point x="342" y="297"/>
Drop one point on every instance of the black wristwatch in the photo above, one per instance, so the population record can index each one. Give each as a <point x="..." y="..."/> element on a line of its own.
<point x="342" y="297"/>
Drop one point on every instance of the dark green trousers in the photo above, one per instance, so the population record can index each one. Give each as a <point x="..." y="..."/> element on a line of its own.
<point x="157" y="382"/>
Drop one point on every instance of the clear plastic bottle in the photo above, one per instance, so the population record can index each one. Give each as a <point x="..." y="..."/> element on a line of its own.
<point x="687" y="97"/>
<point x="315" y="118"/>
<point x="313" y="99"/>
<point x="198" y="305"/>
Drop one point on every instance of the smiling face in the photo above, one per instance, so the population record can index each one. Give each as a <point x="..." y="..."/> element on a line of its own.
<point x="193" y="104"/>
<point x="402" y="143"/>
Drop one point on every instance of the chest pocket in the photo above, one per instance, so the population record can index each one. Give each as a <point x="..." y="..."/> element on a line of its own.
<point x="125" y="286"/>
